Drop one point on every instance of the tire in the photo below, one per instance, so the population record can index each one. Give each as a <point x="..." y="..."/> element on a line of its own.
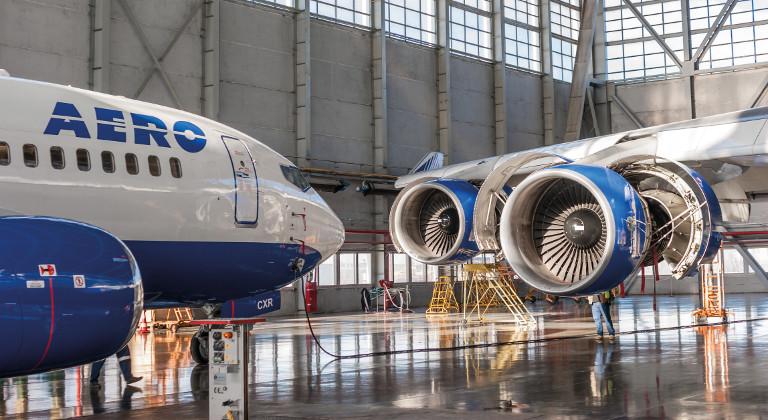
<point x="198" y="347"/>
<point x="533" y="299"/>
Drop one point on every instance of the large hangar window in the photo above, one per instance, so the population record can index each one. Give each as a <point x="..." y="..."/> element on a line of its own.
<point x="522" y="33"/>
<point x="632" y="53"/>
<point x="412" y="19"/>
<point x="346" y="268"/>
<point x="743" y="39"/>
<point x="357" y="12"/>
<point x="565" y="22"/>
<point x="471" y="28"/>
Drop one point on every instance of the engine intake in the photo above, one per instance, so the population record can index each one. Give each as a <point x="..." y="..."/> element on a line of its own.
<point x="574" y="229"/>
<point x="432" y="221"/>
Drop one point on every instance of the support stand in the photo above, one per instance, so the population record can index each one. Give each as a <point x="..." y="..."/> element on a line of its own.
<point x="228" y="367"/>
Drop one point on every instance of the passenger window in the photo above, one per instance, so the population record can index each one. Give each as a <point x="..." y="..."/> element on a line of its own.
<point x="83" y="160"/>
<point x="154" y="166"/>
<point x="108" y="162"/>
<point x="30" y="155"/>
<point x="57" y="157"/>
<point x="175" y="168"/>
<point x="131" y="164"/>
<point x="5" y="153"/>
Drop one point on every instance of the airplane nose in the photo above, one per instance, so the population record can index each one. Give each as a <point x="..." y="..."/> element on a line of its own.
<point x="335" y="233"/>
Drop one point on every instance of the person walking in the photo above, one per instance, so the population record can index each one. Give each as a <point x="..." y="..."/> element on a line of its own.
<point x="124" y="358"/>
<point x="601" y="309"/>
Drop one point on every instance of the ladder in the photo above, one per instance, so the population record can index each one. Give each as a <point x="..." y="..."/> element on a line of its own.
<point x="484" y="283"/>
<point x="712" y="290"/>
<point x="443" y="299"/>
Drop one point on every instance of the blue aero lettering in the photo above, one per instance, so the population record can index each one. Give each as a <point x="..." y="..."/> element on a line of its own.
<point x="111" y="126"/>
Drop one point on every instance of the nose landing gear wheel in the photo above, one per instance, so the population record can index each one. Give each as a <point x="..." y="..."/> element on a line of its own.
<point x="198" y="347"/>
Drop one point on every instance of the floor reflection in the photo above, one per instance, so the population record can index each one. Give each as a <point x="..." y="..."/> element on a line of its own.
<point x="555" y="368"/>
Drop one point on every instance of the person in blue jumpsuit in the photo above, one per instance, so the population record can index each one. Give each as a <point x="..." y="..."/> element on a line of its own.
<point x="124" y="358"/>
<point x="601" y="308"/>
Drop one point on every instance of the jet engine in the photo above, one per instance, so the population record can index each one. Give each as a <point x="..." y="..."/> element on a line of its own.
<point x="577" y="229"/>
<point x="574" y="229"/>
<point x="432" y="221"/>
<point x="70" y="294"/>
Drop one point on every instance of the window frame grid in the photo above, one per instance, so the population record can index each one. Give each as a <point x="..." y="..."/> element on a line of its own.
<point x="507" y="40"/>
<point x="388" y="22"/>
<point x="315" y="11"/>
<point x="452" y="40"/>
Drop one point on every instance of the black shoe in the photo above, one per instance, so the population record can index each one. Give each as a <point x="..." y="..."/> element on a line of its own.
<point x="95" y="385"/>
<point x="133" y="379"/>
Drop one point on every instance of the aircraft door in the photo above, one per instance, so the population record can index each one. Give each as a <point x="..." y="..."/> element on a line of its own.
<point x="246" y="182"/>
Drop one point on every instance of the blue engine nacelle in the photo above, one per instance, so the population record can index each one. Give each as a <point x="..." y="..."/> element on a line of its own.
<point x="432" y="221"/>
<point x="70" y="294"/>
<point x="574" y="229"/>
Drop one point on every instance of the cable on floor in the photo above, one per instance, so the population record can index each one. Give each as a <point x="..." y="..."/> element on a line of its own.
<point x="497" y="344"/>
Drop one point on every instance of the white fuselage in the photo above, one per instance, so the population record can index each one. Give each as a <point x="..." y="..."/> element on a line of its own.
<point x="206" y="191"/>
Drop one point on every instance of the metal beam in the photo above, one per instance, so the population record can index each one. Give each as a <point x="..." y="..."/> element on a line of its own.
<point x="688" y="65"/>
<point x="709" y="38"/>
<point x="100" y="44"/>
<point x="499" y="77"/>
<point x="626" y="111"/>
<point x="760" y="94"/>
<point x="653" y="32"/>
<point x="593" y="112"/>
<point x="211" y="58"/>
<point x="444" y="82"/>
<point x="303" y="91"/>
<point x="752" y="262"/>
<point x="157" y="65"/>
<point x="380" y="209"/>
<point x="581" y="72"/>
<point x="547" y="81"/>
<point x="379" y="65"/>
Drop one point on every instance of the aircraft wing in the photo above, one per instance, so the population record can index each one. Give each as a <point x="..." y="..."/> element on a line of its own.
<point x="580" y="217"/>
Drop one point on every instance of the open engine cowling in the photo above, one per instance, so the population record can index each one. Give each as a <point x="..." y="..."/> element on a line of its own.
<point x="70" y="294"/>
<point x="685" y="216"/>
<point x="574" y="229"/>
<point x="432" y="221"/>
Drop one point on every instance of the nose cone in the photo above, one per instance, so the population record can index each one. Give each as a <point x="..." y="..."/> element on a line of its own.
<point x="331" y="231"/>
<point x="335" y="233"/>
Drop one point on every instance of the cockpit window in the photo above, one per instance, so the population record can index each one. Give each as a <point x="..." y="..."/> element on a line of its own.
<point x="295" y="177"/>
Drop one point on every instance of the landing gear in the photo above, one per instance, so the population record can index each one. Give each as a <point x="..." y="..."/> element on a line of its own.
<point x="198" y="346"/>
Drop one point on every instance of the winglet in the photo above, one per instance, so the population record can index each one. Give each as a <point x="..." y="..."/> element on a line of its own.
<point x="432" y="160"/>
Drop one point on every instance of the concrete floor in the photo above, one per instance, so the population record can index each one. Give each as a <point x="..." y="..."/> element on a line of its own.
<point x="654" y="369"/>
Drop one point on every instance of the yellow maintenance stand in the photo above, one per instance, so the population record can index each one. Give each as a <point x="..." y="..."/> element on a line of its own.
<point x="483" y="286"/>
<point x="713" y="290"/>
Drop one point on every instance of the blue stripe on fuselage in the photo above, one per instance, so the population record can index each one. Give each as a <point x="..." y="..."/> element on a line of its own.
<point x="194" y="273"/>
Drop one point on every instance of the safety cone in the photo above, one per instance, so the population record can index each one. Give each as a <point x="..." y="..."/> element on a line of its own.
<point x="143" y="325"/>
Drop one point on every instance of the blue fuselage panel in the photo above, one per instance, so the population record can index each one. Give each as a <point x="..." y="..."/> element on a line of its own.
<point x="195" y="273"/>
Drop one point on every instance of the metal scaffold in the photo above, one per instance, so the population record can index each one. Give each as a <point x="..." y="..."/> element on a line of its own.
<point x="486" y="286"/>
<point x="443" y="299"/>
<point x="712" y="290"/>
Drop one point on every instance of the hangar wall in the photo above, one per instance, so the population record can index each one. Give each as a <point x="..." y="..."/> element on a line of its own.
<point x="664" y="101"/>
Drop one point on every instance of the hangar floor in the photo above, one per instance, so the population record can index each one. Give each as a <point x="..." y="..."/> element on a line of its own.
<point x="659" y="366"/>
